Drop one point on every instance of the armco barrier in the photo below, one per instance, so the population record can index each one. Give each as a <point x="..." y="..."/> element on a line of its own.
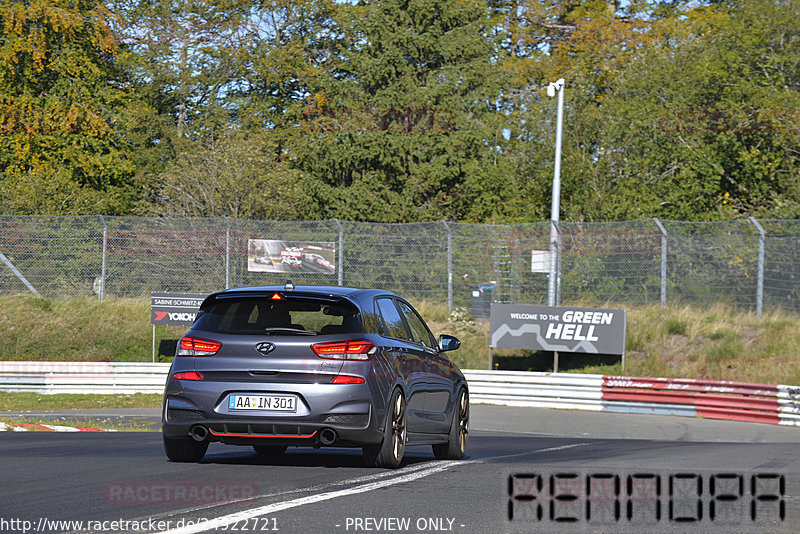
<point x="82" y="377"/>
<point x="761" y="403"/>
<point x="740" y="401"/>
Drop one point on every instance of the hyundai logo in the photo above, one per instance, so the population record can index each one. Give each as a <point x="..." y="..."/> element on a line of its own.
<point x="265" y="347"/>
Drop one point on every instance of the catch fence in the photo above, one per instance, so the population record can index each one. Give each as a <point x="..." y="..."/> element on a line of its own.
<point x="748" y="263"/>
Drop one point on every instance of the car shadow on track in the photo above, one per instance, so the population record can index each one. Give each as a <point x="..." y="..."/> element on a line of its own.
<point x="303" y="457"/>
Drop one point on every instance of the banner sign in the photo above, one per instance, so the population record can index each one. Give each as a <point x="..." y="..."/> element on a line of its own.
<point x="540" y="261"/>
<point x="174" y="309"/>
<point x="589" y="330"/>
<point x="275" y="256"/>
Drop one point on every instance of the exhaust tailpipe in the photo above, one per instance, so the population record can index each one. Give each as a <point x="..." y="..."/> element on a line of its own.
<point x="199" y="433"/>
<point x="328" y="436"/>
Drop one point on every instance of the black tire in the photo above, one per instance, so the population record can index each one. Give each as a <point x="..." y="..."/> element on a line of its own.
<point x="269" y="450"/>
<point x="185" y="450"/>
<point x="457" y="439"/>
<point x="389" y="452"/>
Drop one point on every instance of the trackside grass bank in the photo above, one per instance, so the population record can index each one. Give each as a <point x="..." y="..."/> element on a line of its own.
<point x="716" y="343"/>
<point x="34" y="401"/>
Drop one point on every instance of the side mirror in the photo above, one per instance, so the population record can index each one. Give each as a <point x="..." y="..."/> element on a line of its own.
<point x="448" y="343"/>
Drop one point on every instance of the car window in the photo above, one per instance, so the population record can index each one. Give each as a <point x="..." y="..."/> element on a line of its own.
<point x="255" y="315"/>
<point x="391" y="322"/>
<point x="419" y="332"/>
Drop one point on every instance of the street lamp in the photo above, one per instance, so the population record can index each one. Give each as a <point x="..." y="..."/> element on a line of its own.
<point x="552" y="89"/>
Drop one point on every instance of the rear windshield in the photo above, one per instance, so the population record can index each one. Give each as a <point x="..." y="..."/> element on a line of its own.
<point x="261" y="315"/>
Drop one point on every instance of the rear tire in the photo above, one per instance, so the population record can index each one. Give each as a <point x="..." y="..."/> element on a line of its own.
<point x="269" y="450"/>
<point x="185" y="450"/>
<point x="389" y="452"/>
<point x="458" y="437"/>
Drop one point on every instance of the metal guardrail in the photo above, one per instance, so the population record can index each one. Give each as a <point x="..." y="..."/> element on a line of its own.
<point x="762" y="403"/>
<point x="83" y="377"/>
<point x="740" y="401"/>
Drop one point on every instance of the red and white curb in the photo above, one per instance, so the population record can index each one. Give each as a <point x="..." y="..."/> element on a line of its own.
<point x="709" y="399"/>
<point x="28" y="427"/>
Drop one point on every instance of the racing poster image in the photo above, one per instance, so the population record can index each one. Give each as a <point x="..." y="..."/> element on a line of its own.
<point x="275" y="256"/>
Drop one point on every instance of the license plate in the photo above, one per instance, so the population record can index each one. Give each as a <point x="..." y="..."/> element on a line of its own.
<point x="275" y="403"/>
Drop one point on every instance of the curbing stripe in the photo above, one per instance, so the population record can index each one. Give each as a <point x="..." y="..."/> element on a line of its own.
<point x="9" y="426"/>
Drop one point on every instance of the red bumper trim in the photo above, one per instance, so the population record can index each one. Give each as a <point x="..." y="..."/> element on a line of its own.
<point x="225" y="435"/>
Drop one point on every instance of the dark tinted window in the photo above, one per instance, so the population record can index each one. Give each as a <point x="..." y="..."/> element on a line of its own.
<point x="391" y="322"/>
<point x="419" y="332"/>
<point x="254" y="315"/>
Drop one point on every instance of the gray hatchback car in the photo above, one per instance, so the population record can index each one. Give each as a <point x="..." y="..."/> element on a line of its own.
<point x="273" y="367"/>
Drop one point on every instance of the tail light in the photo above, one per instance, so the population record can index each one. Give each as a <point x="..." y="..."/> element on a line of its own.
<point x="188" y="375"/>
<point x="356" y="349"/>
<point x="194" y="346"/>
<point x="346" y="379"/>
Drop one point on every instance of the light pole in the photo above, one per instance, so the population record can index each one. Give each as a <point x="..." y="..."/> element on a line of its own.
<point x="552" y="89"/>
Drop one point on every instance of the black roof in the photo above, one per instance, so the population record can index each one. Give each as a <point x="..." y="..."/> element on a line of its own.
<point x="326" y="290"/>
<point x="350" y="293"/>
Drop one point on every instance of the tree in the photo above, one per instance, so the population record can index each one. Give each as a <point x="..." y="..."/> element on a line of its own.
<point x="706" y="128"/>
<point x="64" y="110"/>
<point x="408" y="125"/>
<point x="187" y="57"/>
<point x="234" y="175"/>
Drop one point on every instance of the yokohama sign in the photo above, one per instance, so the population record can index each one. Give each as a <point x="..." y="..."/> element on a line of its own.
<point x="174" y="309"/>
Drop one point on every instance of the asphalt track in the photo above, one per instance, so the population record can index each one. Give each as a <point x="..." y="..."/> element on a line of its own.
<point x="608" y="473"/>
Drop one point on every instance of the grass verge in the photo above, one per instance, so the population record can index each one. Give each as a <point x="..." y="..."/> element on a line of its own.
<point x="715" y="343"/>
<point x="10" y="402"/>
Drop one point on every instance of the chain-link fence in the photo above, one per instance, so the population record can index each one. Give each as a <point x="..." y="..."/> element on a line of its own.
<point x="748" y="263"/>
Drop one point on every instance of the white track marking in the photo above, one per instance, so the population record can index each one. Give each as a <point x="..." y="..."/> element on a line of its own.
<point x="498" y="431"/>
<point x="223" y="521"/>
<point x="537" y="451"/>
<point x="320" y="487"/>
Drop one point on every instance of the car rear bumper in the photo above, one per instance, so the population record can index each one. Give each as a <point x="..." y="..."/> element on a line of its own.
<point x="346" y="409"/>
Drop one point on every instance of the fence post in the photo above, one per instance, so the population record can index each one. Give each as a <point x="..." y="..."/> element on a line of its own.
<point x="227" y="252"/>
<point x="449" y="267"/>
<point x="551" y="283"/>
<point x="761" y="245"/>
<point x="105" y="254"/>
<point x="663" y="262"/>
<point x="340" y="266"/>
<point x="557" y="281"/>
<point x="19" y="275"/>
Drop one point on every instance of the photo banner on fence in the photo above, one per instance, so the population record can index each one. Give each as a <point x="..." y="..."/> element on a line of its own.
<point x="277" y="256"/>
<point x="559" y="329"/>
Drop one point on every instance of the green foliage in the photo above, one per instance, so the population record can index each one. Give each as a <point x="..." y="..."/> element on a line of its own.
<point x="390" y="110"/>
<point x="676" y="326"/>
<point x="409" y="118"/>
<point x="64" y="110"/>
<point x="236" y="175"/>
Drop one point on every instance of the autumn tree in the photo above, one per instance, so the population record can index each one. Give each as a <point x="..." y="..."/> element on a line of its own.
<point x="704" y="126"/>
<point x="64" y="110"/>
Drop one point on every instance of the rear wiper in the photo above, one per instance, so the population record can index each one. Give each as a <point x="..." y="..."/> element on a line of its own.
<point x="298" y="331"/>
